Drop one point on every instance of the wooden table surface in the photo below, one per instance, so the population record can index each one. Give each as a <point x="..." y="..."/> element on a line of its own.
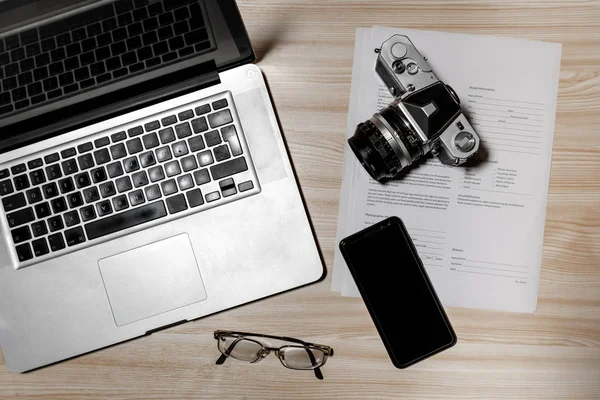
<point x="305" y="49"/>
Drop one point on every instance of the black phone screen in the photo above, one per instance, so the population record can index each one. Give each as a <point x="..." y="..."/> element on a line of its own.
<point x="397" y="292"/>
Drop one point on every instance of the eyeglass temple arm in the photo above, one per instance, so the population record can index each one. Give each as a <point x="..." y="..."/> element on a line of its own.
<point x="228" y="351"/>
<point x="317" y="370"/>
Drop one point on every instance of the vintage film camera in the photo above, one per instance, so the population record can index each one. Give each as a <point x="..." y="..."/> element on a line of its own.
<point x="424" y="117"/>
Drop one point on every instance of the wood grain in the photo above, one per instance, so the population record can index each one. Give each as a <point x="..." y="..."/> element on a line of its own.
<point x="305" y="49"/>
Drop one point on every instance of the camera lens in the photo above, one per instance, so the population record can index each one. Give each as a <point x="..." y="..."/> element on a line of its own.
<point x="373" y="151"/>
<point x="384" y="151"/>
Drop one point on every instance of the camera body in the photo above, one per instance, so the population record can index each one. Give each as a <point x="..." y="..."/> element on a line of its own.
<point x="424" y="117"/>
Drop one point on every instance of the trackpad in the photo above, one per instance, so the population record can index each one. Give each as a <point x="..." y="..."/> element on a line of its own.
<point x="152" y="279"/>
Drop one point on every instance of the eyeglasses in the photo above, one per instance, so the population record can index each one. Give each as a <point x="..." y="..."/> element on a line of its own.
<point x="248" y="347"/>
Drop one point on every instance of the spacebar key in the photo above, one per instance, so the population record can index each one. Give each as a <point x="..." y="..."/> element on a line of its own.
<point x="125" y="220"/>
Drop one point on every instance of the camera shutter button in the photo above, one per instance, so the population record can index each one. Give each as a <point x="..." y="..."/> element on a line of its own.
<point x="464" y="141"/>
<point x="398" y="50"/>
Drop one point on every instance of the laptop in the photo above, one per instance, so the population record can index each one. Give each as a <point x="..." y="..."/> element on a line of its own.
<point x="144" y="180"/>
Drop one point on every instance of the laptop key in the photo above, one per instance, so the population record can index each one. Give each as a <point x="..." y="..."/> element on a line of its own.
<point x="228" y="168"/>
<point x="217" y="105"/>
<point x="185" y="182"/>
<point x="13" y="202"/>
<point x="163" y="154"/>
<point x="87" y="213"/>
<point x="42" y="210"/>
<point x="205" y="158"/>
<point x="124" y="184"/>
<point x="40" y="247"/>
<point x="117" y="137"/>
<point x="152" y="192"/>
<point x="118" y="150"/>
<point x="74" y="236"/>
<point x="170" y="120"/>
<point x="199" y="125"/>
<point x="230" y="136"/>
<point x="37" y="177"/>
<point x="55" y="223"/>
<point x="156" y="173"/>
<point x="147" y="159"/>
<point x="184" y="115"/>
<point x="6" y="187"/>
<point x="172" y="168"/>
<point x="201" y="177"/>
<point x="4" y="173"/>
<point x="227" y="187"/>
<point x="135" y="131"/>
<point x="134" y="146"/>
<point x="101" y="156"/>
<point x="176" y="204"/>
<point x="86" y="161"/>
<point x="131" y="164"/>
<point x="85" y="147"/>
<point x="56" y="242"/>
<point x="53" y="172"/>
<point x="203" y="109"/>
<point x="195" y="198"/>
<point x="34" y="195"/>
<point x="188" y="163"/>
<point x="125" y="220"/>
<point x="104" y="208"/>
<point x="152" y="126"/>
<point x="66" y="185"/>
<point x="104" y="141"/>
<point x="114" y="169"/>
<point x="21" y="182"/>
<point x="75" y="200"/>
<point x="220" y="118"/>
<point x="179" y="149"/>
<point x="120" y="203"/>
<point x="166" y="135"/>
<point x="20" y="234"/>
<point x="213" y="196"/>
<point x="136" y="197"/>
<point x="150" y="140"/>
<point x="82" y="180"/>
<point x="169" y="187"/>
<point x="24" y="252"/>
<point x="107" y="189"/>
<point x="196" y="143"/>
<point x="212" y="138"/>
<point x="99" y="175"/>
<point x="222" y="153"/>
<point x="69" y="167"/>
<point x="59" y="205"/>
<point x="39" y="228"/>
<point x="183" y="130"/>
<point x="36" y="163"/>
<point x="50" y="190"/>
<point x="91" y="194"/>
<point x="20" y="217"/>
<point x="71" y="218"/>
<point x="139" y="179"/>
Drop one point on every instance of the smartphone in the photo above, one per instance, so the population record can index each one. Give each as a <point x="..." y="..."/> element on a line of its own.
<point x="397" y="292"/>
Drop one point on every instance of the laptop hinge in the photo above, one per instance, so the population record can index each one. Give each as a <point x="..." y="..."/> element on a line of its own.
<point x="109" y="105"/>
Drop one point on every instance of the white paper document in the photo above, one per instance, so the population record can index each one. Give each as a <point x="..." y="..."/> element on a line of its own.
<point x="478" y="229"/>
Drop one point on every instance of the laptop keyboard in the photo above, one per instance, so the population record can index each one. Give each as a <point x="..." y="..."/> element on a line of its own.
<point x="165" y="166"/>
<point x="96" y="47"/>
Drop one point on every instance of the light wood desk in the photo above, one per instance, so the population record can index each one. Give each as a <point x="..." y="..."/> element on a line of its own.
<point x="305" y="50"/>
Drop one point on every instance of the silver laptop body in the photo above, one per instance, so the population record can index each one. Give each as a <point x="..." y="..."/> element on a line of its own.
<point x="224" y="242"/>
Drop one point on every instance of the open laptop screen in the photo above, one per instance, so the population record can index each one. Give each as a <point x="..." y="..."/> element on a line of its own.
<point x="68" y="63"/>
